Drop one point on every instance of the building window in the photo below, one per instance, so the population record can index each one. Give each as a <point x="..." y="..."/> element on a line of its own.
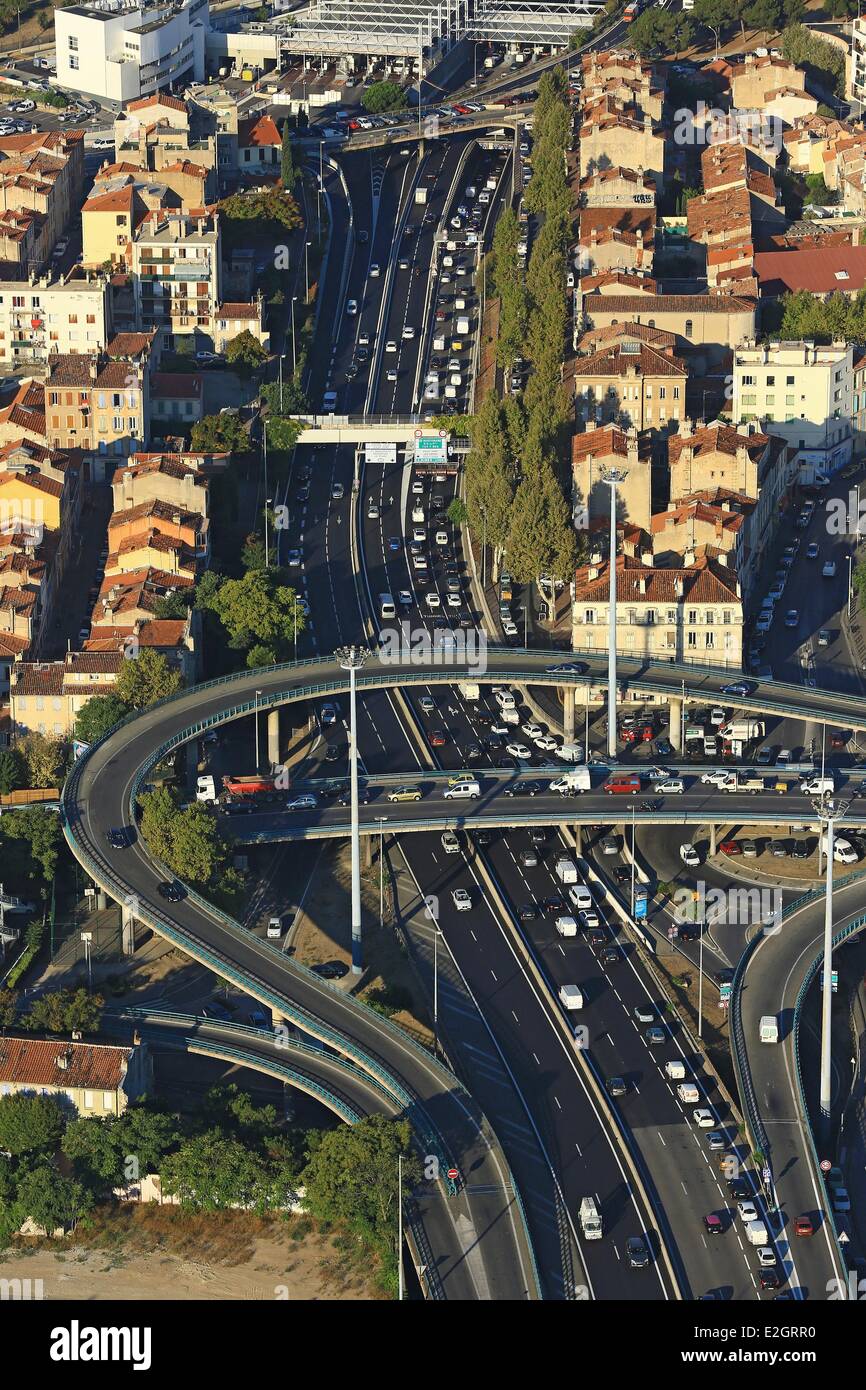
<point x="108" y="1100"/>
<point x="88" y="1100"/>
<point x="73" y="43"/>
<point x="73" y="63"/>
<point x="689" y="328"/>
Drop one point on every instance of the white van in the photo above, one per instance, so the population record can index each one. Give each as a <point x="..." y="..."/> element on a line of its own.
<point x="817" y="786"/>
<point x="387" y="607"/>
<point x="460" y="303"/>
<point x="675" y="1071"/>
<point x="570" y="996"/>
<point x="688" y="1093"/>
<point x="275" y="927"/>
<point x="580" y="897"/>
<point x="451" y="393"/>
<point x="462" y="791"/>
<point x="448" y="262"/>
<point x="455" y="379"/>
<point x="503" y="698"/>
<point x="566" y="926"/>
<point x="439" y="343"/>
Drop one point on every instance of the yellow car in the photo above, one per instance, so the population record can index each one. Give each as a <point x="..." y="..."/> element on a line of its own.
<point x="405" y="794"/>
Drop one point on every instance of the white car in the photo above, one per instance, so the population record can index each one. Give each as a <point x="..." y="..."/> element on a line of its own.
<point x="433" y="600"/>
<point x="461" y="899"/>
<point x="546" y="744"/>
<point x="747" y="1211"/>
<point x="454" y="600"/>
<point x="518" y="750"/>
<point x="391" y="374"/>
<point x="390" y="346"/>
<point x="703" y="1119"/>
<point x="372" y="511"/>
<point x="690" y="856"/>
<point x="673" y="786"/>
<point x="408" y="332"/>
<point x="658" y="774"/>
<point x="375" y="272"/>
<point x="714" y="779"/>
<point x="589" y="917"/>
<point x="766" y="1257"/>
<point x="351" y="307"/>
<point x="450" y="842"/>
<point x="532" y="730"/>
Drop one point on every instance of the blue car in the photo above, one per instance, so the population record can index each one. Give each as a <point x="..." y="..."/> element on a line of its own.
<point x="394" y="543"/>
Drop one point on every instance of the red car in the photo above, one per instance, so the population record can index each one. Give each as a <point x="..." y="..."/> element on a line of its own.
<point x="804" y="1226"/>
<point x="463" y="110"/>
<point x="730" y="847"/>
<point x="714" y="1224"/>
<point x="437" y="738"/>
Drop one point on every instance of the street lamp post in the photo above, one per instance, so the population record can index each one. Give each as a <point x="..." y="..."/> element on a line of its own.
<point x="307" y="245"/>
<point x="265" y="456"/>
<point x="612" y="476"/>
<point x="400" y="1227"/>
<point x="87" y="938"/>
<point x="256" y="718"/>
<point x="380" y="821"/>
<point x="828" y="810"/>
<point x="850" y="581"/>
<point x="632" y="852"/>
<point x="352" y="659"/>
<point x="294" y="350"/>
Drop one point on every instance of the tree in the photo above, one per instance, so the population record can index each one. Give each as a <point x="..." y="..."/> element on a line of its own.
<point x="220" y="434"/>
<point x="715" y="15"/>
<point x="245" y="353"/>
<point x="50" y="1199"/>
<point x="272" y="206"/>
<point x="458" y="512"/>
<point x="196" y="849"/>
<point x="541" y="540"/>
<point x="99" y="715"/>
<point x="29" y="1125"/>
<point x="288" y="399"/>
<point x="66" y="1011"/>
<point x="260" y="655"/>
<point x="287" y="164"/>
<point x="102" y="1148"/>
<point x="157" y="817"/>
<point x="40" y="830"/>
<point x="763" y="15"/>
<point x="258" y="609"/>
<point x="807" y="50"/>
<point x="44" y="759"/>
<point x="146" y="678"/>
<point x="384" y="96"/>
<point x="8" y="1008"/>
<point x="658" y="33"/>
<point x="12" y="770"/>
<point x="211" y="1172"/>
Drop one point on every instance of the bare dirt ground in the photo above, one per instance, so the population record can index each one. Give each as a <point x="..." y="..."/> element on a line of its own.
<point x="162" y="1254"/>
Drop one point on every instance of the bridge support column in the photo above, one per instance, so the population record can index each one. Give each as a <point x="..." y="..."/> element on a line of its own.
<point x="192" y="762"/>
<point x="578" y="839"/>
<point x="568" y="713"/>
<point x="274" y="738"/>
<point x="713" y="834"/>
<point x="676" y="723"/>
<point x="127" y="929"/>
<point x="366" y="851"/>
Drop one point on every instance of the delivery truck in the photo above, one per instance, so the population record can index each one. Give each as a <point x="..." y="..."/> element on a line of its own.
<point x="590" y="1219"/>
<point x="463" y="325"/>
<point x="250" y="784"/>
<point x="470" y="690"/>
<point x="566" y="869"/>
<point x="421" y="193"/>
<point x="570" y="997"/>
<point x="573" y="782"/>
<point x="741" y="782"/>
<point x="205" y="789"/>
<point x="769" y="1028"/>
<point x="756" y="1233"/>
<point x="571" y="752"/>
<point x="745" y="729"/>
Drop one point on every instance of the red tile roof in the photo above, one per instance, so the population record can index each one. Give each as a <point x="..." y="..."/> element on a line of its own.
<point x="157" y="99"/>
<point x="716" y="439"/>
<point x="819" y="271"/>
<point x="702" y="582"/>
<point x="34" y="1062"/>
<point x="615" y="360"/>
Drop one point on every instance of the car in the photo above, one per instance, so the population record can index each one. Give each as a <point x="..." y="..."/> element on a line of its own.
<point x="766" y="757"/>
<point x="690" y="856"/>
<point x="405" y="794"/>
<point x="351" y="307"/>
<point x="655" y="1036"/>
<point x="519" y="750"/>
<point x="172" y="891"/>
<point x="461" y="899"/>
<point x="528" y="913"/>
<point x="391" y="345"/>
<point x="804" y="1226"/>
<point x="337" y="492"/>
<point x="703" y="1118"/>
<point x="671" y="786"/>
<point x="610" y="844"/>
<point x="568" y="668"/>
<point x="636" y="1253"/>
<point x="450" y="842"/>
<point x="307" y="801"/>
<point x="766" y="1257"/>
<point x="749" y="848"/>
<point x="713" y="1224"/>
<point x="437" y="738"/>
<point x="616" y="1086"/>
<point x="546" y="744"/>
<point x="118" y="839"/>
<point x="841" y="1200"/>
<point x="769" y="1278"/>
<point x="664" y="748"/>
<point x="372" y="511"/>
<point x="801" y="849"/>
<point x="739" y="1188"/>
<point x="716" y="1141"/>
<point x="828" y="569"/>
<point x="792" y="617"/>
<point x="778" y="849"/>
<point x="738" y="688"/>
<point x="327" y="715"/>
<point x="730" y="847"/>
<point x="747" y="1211"/>
<point x="812" y="550"/>
<point x="375" y="271"/>
<point x="528" y="858"/>
<point x="293" y="558"/>
<point x="611" y="957"/>
<point x="330" y="970"/>
<point x="427" y="704"/>
<point x="523" y="788"/>
<point x="408" y="332"/>
<point x="645" y="1013"/>
<point x="391" y="374"/>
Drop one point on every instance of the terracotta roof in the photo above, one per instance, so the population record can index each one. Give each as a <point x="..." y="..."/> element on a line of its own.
<point x="605" y="442"/>
<point x="120" y="200"/>
<point x="657" y="337"/>
<point x="34" y="1062"/>
<point x="259" y="131"/>
<point x="11" y="645"/>
<point x="632" y="220"/>
<point x="703" y="582"/>
<point x="668" y="304"/>
<point x="717" y="439"/>
<point x="157" y="99"/>
<point x="43" y="678"/>
<point x="131" y="344"/>
<point x="819" y="271"/>
<point x="51" y="486"/>
<point x="155" y="507"/>
<point x="615" y="360"/>
<point x="695" y="510"/>
<point x="176" y="386"/>
<point x="238" y="311"/>
<point x="156" y="632"/>
<point x="615" y="173"/>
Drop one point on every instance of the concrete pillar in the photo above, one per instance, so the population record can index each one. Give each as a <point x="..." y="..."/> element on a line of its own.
<point x="274" y="737"/>
<point x="191" y="763"/>
<point x="713" y="833"/>
<point x="127" y="927"/>
<point x="568" y="713"/>
<point x="366" y="851"/>
<point x="676" y="724"/>
<point x="578" y="839"/>
<point x="101" y="899"/>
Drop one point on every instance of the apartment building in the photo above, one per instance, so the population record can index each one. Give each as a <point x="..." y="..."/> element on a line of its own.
<point x="128" y="48"/>
<point x="260" y="146"/>
<point x="753" y="80"/>
<point x="622" y="77"/>
<point x="44" y="317"/>
<point x="40" y="495"/>
<point x="616" y="188"/>
<point x="127" y="598"/>
<point x="615" y="238"/>
<point x="174" y="141"/>
<point x="181" y="480"/>
<point x="46" y="697"/>
<point x="631" y="384"/>
<point x="188" y="528"/>
<point x="173" y="638"/>
<point x="666" y="613"/>
<point x="804" y="393"/>
<point x="594" y="453"/>
<point x="822" y="271"/>
<point x="100" y="403"/>
<point x="176" y="273"/>
<point x="805" y="142"/>
<point x="88" y="1079"/>
<point x="41" y="187"/>
<point x="611" y="135"/>
<point x="709" y="324"/>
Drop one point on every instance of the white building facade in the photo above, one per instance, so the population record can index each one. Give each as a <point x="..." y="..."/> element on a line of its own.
<point x="120" y="50"/>
<point x="39" y="319"/>
<point x="803" y="394"/>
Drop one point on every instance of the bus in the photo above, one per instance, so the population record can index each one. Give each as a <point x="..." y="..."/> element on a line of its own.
<point x="632" y="11"/>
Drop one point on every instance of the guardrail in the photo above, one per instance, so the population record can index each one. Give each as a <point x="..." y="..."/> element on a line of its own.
<point x="739" y="1054"/>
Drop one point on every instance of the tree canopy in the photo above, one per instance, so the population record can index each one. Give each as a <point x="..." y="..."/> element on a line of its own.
<point x="384" y="96"/>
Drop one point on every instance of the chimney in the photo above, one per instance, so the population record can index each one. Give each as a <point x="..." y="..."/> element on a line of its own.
<point x="679" y="587"/>
<point x="641" y="585"/>
<point x="592" y="573"/>
<point x="689" y="557"/>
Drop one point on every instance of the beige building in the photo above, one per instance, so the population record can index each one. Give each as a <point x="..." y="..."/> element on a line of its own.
<point x="753" y="80"/>
<point x="616" y="188"/>
<point x="175" y="142"/>
<point x="100" y="404"/>
<point x="87" y="1079"/>
<point x="804" y="393"/>
<point x="630" y="384"/>
<point x="41" y="186"/>
<point x="687" y="612"/>
<point x="710" y="324"/>
<point x="178" y="479"/>
<point x="44" y="317"/>
<point x="593" y="454"/>
<point x="612" y="137"/>
<point x="46" y="697"/>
